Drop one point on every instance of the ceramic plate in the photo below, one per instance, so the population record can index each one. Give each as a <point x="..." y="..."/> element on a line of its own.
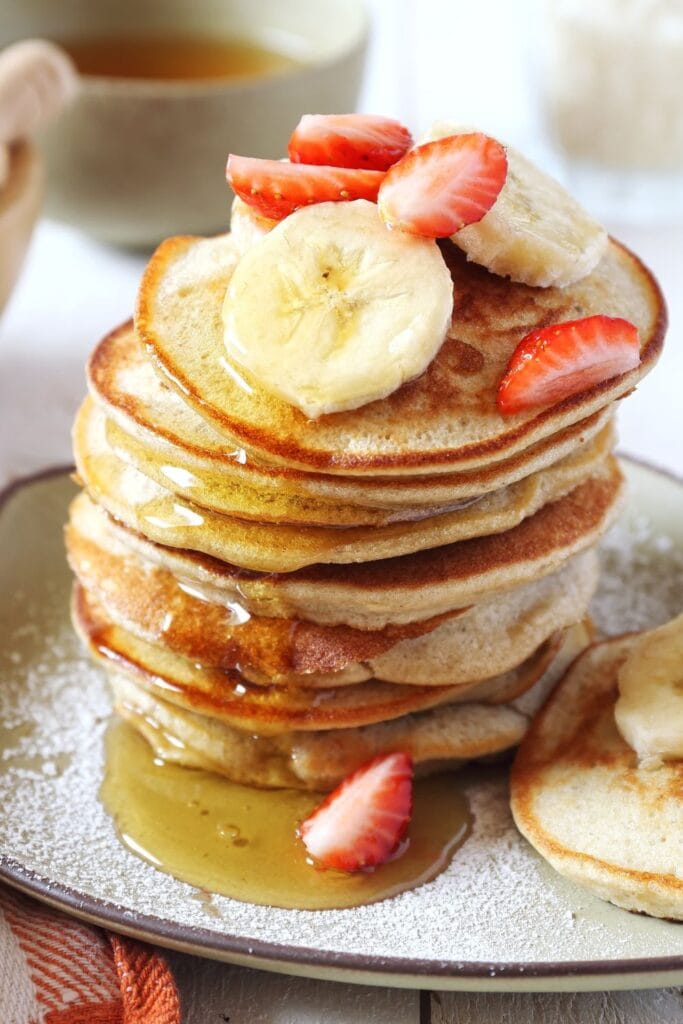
<point x="498" y="918"/>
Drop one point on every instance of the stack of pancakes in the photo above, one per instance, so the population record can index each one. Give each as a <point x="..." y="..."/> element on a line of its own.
<point x="279" y="599"/>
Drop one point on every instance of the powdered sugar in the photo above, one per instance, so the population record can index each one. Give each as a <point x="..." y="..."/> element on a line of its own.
<point x="497" y="903"/>
<point x="652" y="592"/>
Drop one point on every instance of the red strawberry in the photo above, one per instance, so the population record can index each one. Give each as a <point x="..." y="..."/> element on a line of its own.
<point x="562" y="360"/>
<point x="442" y="186"/>
<point x="349" y="140"/>
<point x="276" y="188"/>
<point x="361" y="823"/>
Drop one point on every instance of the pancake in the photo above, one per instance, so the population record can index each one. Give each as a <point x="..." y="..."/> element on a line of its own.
<point x="114" y="600"/>
<point x="494" y="635"/>
<point x="414" y="587"/>
<point x="228" y="696"/>
<point x="151" y="427"/>
<point x="148" y="601"/>
<point x="511" y="685"/>
<point x="445" y="420"/>
<point x="214" y="490"/>
<point x="580" y="798"/>
<point x="444" y="736"/>
<point x="157" y="512"/>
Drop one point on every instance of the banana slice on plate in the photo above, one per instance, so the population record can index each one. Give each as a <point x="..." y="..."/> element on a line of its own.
<point x="649" y="711"/>
<point x="535" y="232"/>
<point x="331" y="310"/>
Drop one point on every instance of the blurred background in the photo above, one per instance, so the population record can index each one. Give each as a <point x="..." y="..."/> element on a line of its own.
<point x="590" y="89"/>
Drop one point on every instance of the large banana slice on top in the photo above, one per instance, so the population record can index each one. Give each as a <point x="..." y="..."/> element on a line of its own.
<point x="649" y="712"/>
<point x="535" y="232"/>
<point x="331" y="310"/>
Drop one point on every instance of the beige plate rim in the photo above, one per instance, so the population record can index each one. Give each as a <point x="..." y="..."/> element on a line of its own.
<point x="402" y="972"/>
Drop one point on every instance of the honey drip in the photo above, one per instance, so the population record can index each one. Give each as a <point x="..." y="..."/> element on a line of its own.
<point x="175" y="57"/>
<point x="241" y="841"/>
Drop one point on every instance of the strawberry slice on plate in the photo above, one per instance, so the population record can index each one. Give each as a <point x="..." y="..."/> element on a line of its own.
<point x="555" y="362"/>
<point x="349" y="140"/>
<point x="276" y="188"/>
<point x="439" y="188"/>
<point x="362" y="822"/>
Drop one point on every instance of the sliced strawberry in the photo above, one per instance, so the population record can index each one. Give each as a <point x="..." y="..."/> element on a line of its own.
<point x="349" y="140"/>
<point x="442" y="186"/>
<point x="564" y="359"/>
<point x="276" y="188"/>
<point x="362" y="822"/>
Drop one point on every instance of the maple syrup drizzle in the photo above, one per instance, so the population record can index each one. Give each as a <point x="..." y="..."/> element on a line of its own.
<point x="240" y="841"/>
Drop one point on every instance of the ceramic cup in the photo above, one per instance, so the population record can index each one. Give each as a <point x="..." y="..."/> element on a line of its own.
<point x="135" y="160"/>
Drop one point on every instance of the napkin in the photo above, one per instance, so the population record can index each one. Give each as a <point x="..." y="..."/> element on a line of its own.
<point x="56" y="970"/>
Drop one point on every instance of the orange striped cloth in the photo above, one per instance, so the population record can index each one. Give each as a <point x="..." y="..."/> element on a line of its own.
<point x="56" y="970"/>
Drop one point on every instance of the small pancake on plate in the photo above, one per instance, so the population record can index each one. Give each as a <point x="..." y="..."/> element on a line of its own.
<point x="580" y="797"/>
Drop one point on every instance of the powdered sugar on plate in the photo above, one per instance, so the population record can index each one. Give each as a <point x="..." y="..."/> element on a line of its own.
<point x="496" y="904"/>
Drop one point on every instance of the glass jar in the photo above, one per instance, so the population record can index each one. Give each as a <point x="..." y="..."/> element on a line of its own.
<point x="613" y="103"/>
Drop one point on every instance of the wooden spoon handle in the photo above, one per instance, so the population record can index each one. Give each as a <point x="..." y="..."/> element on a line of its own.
<point x="37" y="80"/>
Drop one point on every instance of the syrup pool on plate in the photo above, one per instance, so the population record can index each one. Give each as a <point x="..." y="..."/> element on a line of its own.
<point x="241" y="841"/>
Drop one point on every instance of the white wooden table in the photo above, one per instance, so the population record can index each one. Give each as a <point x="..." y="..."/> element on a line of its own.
<point x="424" y="65"/>
<point x="215" y="995"/>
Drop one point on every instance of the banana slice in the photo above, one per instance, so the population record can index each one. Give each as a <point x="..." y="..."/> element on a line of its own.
<point x="247" y="227"/>
<point x="535" y="232"/>
<point x="649" y="711"/>
<point x="331" y="310"/>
